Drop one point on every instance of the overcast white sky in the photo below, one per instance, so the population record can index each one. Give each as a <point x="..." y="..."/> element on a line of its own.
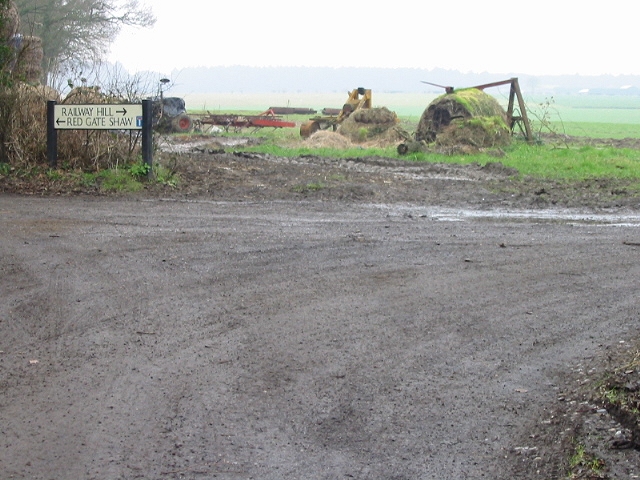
<point x="501" y="36"/>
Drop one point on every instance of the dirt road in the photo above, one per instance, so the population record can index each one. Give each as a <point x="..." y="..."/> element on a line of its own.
<point x="195" y="336"/>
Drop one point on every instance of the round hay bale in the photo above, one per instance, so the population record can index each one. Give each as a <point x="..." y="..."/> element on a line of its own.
<point x="84" y="95"/>
<point x="327" y="139"/>
<point x="381" y="115"/>
<point x="91" y="94"/>
<point x="37" y="93"/>
<point x="368" y="123"/>
<point x="468" y="116"/>
<point x="11" y="22"/>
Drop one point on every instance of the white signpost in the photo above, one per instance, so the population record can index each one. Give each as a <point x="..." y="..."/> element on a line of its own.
<point x="128" y="116"/>
<point x="98" y="117"/>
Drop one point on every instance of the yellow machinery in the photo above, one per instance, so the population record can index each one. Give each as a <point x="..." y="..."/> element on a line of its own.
<point x="358" y="98"/>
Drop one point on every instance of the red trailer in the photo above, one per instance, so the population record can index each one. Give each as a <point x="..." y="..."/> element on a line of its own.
<point x="237" y="122"/>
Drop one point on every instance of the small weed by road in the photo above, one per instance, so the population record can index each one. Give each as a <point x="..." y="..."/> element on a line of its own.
<point x="619" y="392"/>
<point x="309" y="187"/>
<point x="118" y="180"/>
<point x="585" y="465"/>
<point x="165" y="175"/>
<point x="597" y="451"/>
<point x="140" y="169"/>
<point x="337" y="177"/>
<point x="54" y="175"/>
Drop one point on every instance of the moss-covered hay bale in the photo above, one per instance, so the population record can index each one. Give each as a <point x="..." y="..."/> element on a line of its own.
<point x="367" y="124"/>
<point x="479" y="132"/>
<point x="11" y="21"/>
<point x="467" y="117"/>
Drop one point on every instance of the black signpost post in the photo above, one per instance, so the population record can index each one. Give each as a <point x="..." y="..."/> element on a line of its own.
<point x="147" y="135"/>
<point x="52" y="135"/>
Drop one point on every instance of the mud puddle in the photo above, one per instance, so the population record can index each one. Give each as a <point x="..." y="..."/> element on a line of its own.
<point x="554" y="216"/>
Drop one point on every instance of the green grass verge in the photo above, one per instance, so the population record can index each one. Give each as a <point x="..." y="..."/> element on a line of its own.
<point x="131" y="179"/>
<point x="128" y="179"/>
<point x="580" y="163"/>
<point x="540" y="161"/>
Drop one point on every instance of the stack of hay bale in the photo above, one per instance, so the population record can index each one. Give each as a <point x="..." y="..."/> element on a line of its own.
<point x="368" y="124"/>
<point x="30" y="56"/>
<point x="9" y="29"/>
<point x="28" y="52"/>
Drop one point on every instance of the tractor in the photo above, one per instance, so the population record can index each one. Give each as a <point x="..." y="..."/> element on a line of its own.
<point x="170" y="115"/>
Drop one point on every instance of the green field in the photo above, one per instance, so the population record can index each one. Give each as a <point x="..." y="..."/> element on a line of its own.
<point x="596" y="116"/>
<point x="580" y="115"/>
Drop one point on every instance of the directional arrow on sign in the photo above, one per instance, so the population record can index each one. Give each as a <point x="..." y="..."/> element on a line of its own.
<point x="123" y="111"/>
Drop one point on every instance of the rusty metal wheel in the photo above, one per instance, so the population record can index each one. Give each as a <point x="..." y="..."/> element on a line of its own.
<point x="309" y="128"/>
<point x="182" y="123"/>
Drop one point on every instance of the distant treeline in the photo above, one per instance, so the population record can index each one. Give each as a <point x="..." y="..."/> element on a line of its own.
<point x="242" y="79"/>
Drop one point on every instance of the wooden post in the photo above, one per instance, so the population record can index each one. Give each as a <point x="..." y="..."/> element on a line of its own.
<point x="515" y="88"/>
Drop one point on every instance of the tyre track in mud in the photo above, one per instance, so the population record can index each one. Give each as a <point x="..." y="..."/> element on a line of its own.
<point x="296" y="339"/>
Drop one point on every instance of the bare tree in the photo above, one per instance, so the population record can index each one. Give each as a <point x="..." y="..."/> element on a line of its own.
<point x="76" y="32"/>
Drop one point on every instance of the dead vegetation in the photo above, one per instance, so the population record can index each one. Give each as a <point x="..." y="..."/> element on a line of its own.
<point x="328" y="139"/>
<point x="23" y="112"/>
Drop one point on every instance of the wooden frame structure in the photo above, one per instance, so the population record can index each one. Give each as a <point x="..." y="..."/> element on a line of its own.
<point x="521" y="120"/>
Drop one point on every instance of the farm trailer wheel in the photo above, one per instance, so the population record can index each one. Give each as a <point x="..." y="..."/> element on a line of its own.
<point x="182" y="123"/>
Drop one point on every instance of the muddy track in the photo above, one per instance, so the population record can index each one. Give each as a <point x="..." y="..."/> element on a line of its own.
<point x="238" y="175"/>
<point x="312" y="318"/>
